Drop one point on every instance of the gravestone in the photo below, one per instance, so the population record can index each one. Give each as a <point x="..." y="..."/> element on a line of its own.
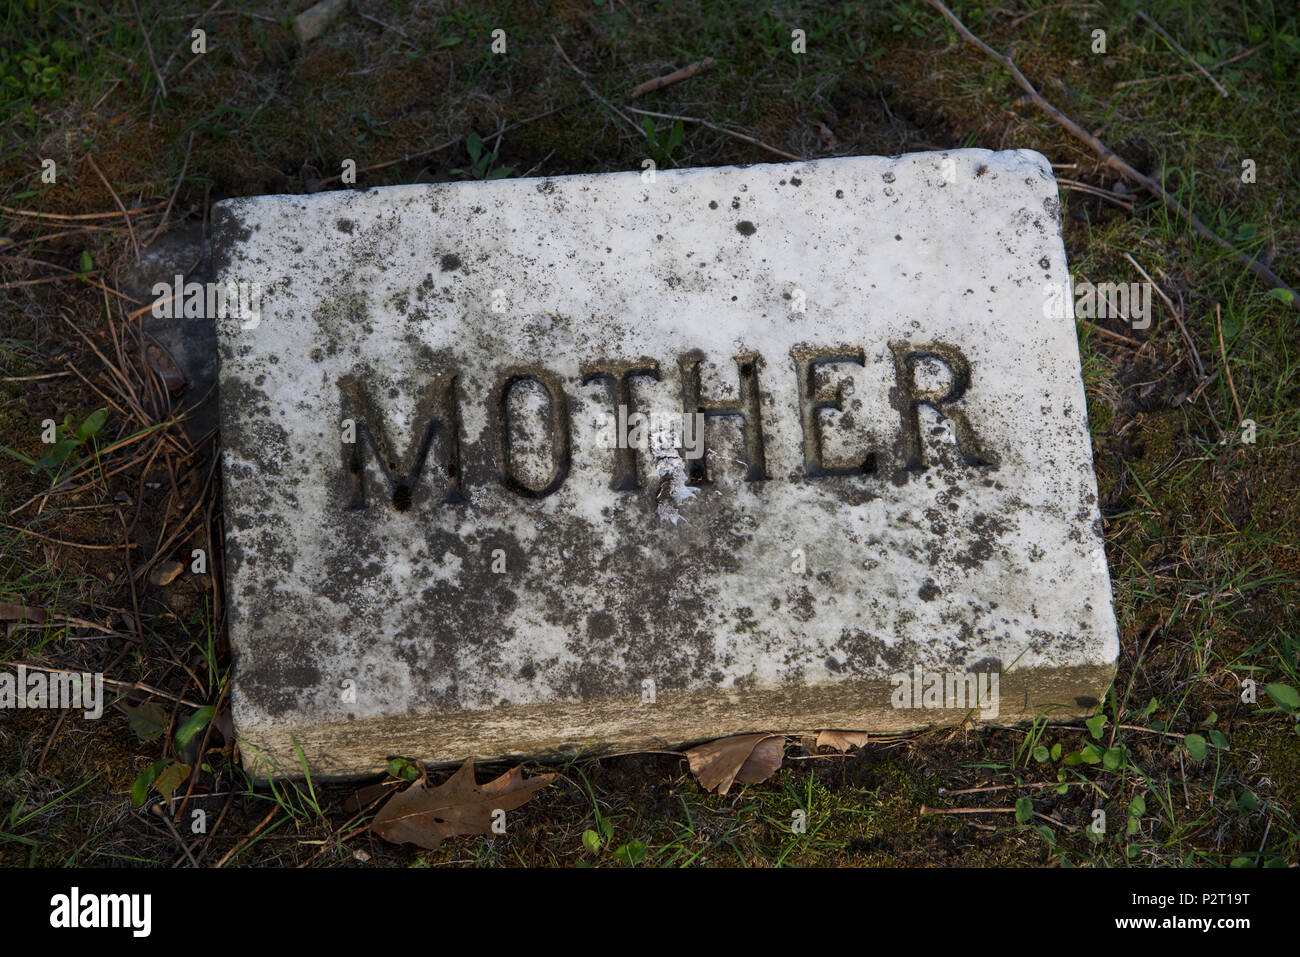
<point x="465" y="513"/>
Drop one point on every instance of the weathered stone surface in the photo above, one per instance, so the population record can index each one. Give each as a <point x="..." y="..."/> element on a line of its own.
<point x="938" y="512"/>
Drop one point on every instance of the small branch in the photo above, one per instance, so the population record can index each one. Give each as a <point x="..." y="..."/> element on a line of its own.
<point x="57" y="217"/>
<point x="1182" y="328"/>
<point x="1191" y="59"/>
<point x="592" y="90"/>
<point x="60" y="541"/>
<point x="967" y="810"/>
<point x="1166" y="734"/>
<point x="685" y="73"/>
<point x="162" y="814"/>
<point x="179" y="179"/>
<point x="149" y="49"/>
<point x="720" y="129"/>
<point x="1218" y="321"/>
<point x="1111" y="159"/>
<point x="442" y="146"/>
<point x="112" y="192"/>
<point x="125" y="686"/>
<point x="1126" y="202"/>
<point x="203" y="16"/>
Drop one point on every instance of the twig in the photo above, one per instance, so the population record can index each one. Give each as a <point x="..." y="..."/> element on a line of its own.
<point x="179" y="179"/>
<point x="442" y="146"/>
<point x="1218" y="321"/>
<point x="944" y="792"/>
<point x="1134" y="727"/>
<point x="162" y="815"/>
<point x="180" y="46"/>
<point x="81" y="217"/>
<point x="149" y="48"/>
<point x="240" y="846"/>
<point x="1115" y="335"/>
<point x="1191" y="59"/>
<point x="60" y="541"/>
<point x="967" y="810"/>
<point x="685" y="73"/>
<point x="1187" y="336"/>
<point x="33" y="378"/>
<point x="129" y="228"/>
<point x="1116" y="198"/>
<point x="63" y="714"/>
<point x="1111" y="159"/>
<point x="127" y="686"/>
<point x="720" y="129"/>
<point x="592" y="90"/>
<point x="1177" y="76"/>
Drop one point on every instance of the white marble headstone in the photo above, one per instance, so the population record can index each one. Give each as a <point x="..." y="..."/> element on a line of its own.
<point x="435" y="546"/>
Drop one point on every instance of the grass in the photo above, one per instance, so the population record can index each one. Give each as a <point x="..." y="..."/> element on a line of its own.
<point x="1200" y="526"/>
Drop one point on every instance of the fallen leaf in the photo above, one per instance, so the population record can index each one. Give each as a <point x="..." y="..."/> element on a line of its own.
<point x="827" y="136"/>
<point x="147" y="720"/>
<point x="12" y="611"/>
<point x="747" y="758"/>
<point x="363" y="797"/>
<point x="224" y="722"/>
<point x="166" y="573"/>
<point x="841" y="740"/>
<point x="427" y="815"/>
<point x="172" y="778"/>
<point x="311" y="23"/>
<point x="163" y="364"/>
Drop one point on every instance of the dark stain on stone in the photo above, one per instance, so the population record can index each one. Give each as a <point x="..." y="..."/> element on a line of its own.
<point x="450" y="262"/>
<point x="746" y="228"/>
<point x="601" y="626"/>
<point x="345" y="226"/>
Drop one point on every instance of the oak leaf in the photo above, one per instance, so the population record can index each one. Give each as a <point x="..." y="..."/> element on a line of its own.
<point x="427" y="816"/>
<point x="747" y="758"/>
<point x="841" y="740"/>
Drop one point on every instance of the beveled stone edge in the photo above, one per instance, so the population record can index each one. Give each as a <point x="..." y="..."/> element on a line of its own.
<point x="559" y="730"/>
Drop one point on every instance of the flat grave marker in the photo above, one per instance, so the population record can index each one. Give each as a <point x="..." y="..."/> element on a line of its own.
<point x="532" y="465"/>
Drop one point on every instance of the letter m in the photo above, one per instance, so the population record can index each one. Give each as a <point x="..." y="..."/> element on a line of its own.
<point x="436" y="418"/>
<point x="1116" y="297"/>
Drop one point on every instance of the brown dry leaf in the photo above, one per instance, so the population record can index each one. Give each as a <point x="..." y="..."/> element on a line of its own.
<point x="12" y="611"/>
<point x="362" y="797"/>
<point x="841" y="740"/>
<point x="166" y="573"/>
<point x="162" y="363"/>
<point x="827" y="136"/>
<point x="427" y="815"/>
<point x="747" y="758"/>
